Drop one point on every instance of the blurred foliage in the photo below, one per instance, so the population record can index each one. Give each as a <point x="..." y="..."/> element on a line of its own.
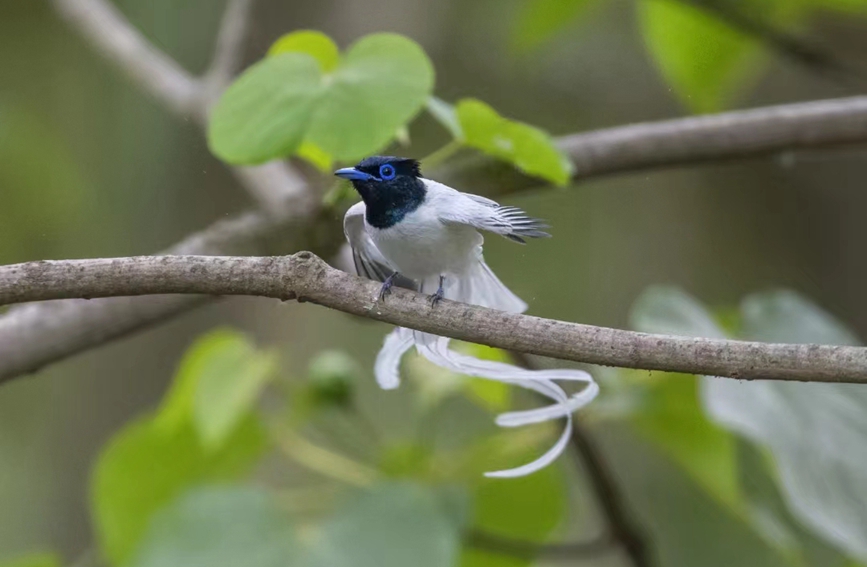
<point x="218" y="383"/>
<point x="219" y="527"/>
<point x="177" y="486"/>
<point x="166" y="489"/>
<point x="708" y="51"/>
<point x="33" y="560"/>
<point x="705" y="60"/>
<point x="50" y="189"/>
<point x="814" y="432"/>
<point x="538" y="20"/>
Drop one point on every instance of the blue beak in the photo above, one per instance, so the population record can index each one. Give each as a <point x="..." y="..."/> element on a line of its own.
<point x="353" y="174"/>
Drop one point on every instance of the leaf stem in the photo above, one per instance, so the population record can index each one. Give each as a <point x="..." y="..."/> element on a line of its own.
<point x="437" y="158"/>
<point x="324" y="461"/>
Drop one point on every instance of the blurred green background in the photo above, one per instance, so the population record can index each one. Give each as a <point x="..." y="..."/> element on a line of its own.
<point x="91" y="166"/>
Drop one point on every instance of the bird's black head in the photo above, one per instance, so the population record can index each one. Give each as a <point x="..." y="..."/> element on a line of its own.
<point x="390" y="186"/>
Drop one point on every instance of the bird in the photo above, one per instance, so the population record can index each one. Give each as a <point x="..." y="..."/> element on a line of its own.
<point x="416" y="233"/>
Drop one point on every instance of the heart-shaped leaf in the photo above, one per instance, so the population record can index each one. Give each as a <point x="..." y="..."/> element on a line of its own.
<point x="299" y="95"/>
<point x="265" y="113"/>
<point x="311" y="42"/>
<point x="382" y="82"/>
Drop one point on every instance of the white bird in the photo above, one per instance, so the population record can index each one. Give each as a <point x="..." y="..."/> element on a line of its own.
<point x="416" y="233"/>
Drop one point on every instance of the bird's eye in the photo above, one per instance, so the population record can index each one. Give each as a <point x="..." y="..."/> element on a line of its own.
<point x="386" y="172"/>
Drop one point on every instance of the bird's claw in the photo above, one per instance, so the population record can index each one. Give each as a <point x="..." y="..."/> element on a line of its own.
<point x="385" y="290"/>
<point x="436" y="298"/>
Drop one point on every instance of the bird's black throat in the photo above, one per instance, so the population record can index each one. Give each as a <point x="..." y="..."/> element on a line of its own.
<point x="388" y="202"/>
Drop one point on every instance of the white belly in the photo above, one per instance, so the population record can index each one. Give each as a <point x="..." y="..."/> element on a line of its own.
<point x="420" y="246"/>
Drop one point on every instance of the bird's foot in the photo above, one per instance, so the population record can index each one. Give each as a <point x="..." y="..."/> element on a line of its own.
<point x="439" y="295"/>
<point x="385" y="290"/>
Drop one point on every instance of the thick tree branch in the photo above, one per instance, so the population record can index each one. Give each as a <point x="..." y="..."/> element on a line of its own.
<point x="673" y="142"/>
<point x="305" y="277"/>
<point x="33" y="336"/>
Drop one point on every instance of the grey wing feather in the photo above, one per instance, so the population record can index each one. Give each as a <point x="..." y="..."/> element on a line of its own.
<point x="369" y="261"/>
<point x="485" y="214"/>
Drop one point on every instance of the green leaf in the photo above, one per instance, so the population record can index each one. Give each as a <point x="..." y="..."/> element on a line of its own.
<point x="671" y="311"/>
<point x="817" y="433"/>
<point x="219" y="527"/>
<point x="673" y="419"/>
<point x="217" y="385"/>
<point x="704" y="60"/>
<point x="265" y="114"/>
<point x="146" y="465"/>
<point x="539" y="20"/>
<point x="391" y="525"/>
<point x="382" y="82"/>
<point x="315" y="156"/>
<point x="524" y="509"/>
<point x="313" y="43"/>
<point x="435" y="384"/>
<point x="445" y="114"/>
<point x="33" y="560"/>
<point x="491" y="395"/>
<point x="528" y="148"/>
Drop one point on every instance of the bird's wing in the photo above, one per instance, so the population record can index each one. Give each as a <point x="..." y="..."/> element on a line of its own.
<point x="454" y="207"/>
<point x="369" y="261"/>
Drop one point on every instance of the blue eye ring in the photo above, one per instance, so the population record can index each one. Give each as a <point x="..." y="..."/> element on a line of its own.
<point x="387" y="172"/>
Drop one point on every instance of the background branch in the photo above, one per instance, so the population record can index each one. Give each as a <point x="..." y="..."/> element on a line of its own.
<point x="305" y="277"/>
<point x="102" y="24"/>
<point x="693" y="140"/>
<point x="620" y="528"/>
<point x="229" y="49"/>
<point x="58" y="330"/>
<point x="626" y="148"/>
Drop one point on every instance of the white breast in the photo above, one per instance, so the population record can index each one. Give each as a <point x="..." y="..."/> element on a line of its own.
<point x="421" y="246"/>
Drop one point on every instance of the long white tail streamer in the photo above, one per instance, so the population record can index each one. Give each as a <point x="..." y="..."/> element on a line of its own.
<point x="436" y="350"/>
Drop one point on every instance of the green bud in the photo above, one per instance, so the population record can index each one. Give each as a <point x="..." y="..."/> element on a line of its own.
<point x="332" y="378"/>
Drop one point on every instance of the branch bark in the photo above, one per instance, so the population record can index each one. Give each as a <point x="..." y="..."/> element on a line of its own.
<point x="726" y="136"/>
<point x="57" y="330"/>
<point x="305" y="277"/>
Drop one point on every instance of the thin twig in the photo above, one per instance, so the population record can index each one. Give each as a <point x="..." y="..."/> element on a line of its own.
<point x="619" y="523"/>
<point x="305" y="277"/>
<point x="530" y="550"/>
<point x="619" y="526"/>
<point x="102" y="24"/>
<point x="274" y="186"/>
<point x="229" y="52"/>
<point x="324" y="461"/>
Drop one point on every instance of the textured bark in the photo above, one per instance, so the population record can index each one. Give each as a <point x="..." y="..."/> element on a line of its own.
<point x="305" y="277"/>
